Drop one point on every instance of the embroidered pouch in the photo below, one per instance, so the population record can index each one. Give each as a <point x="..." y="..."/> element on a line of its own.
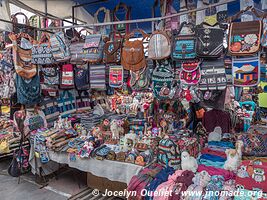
<point x="190" y="72"/>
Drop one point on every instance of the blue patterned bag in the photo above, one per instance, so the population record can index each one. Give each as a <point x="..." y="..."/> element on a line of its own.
<point x="184" y="43"/>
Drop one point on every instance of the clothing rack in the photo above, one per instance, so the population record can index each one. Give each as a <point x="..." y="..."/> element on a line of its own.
<point x="140" y="20"/>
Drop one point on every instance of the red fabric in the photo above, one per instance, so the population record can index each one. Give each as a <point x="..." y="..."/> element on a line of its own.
<point x="213" y="152"/>
<point x="215" y="118"/>
<point x="217" y="171"/>
<point x="247" y="177"/>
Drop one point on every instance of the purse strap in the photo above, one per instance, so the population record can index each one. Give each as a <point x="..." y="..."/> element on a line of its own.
<point x="107" y="13"/>
<point x="116" y="9"/>
<point x="15" y="19"/>
<point x="143" y="33"/>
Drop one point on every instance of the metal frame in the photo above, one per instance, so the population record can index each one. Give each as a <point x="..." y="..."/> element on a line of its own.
<point x="140" y="20"/>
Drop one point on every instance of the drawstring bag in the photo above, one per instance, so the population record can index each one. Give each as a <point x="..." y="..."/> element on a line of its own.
<point x="60" y="48"/>
<point x="81" y="77"/>
<point x="42" y="51"/>
<point x="28" y="91"/>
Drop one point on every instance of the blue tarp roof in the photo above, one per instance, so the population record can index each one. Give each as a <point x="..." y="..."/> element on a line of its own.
<point x="141" y="9"/>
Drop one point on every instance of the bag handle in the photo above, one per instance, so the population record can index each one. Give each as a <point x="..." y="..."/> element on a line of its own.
<point x="183" y="25"/>
<point x="116" y="9"/>
<point x="249" y="8"/>
<point x="15" y="19"/>
<point x="144" y="34"/>
<point x="105" y="10"/>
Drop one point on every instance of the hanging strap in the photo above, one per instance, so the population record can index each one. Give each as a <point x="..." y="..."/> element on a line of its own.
<point x="107" y="15"/>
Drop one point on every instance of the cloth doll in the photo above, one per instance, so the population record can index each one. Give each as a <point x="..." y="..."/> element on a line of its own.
<point x="234" y="157"/>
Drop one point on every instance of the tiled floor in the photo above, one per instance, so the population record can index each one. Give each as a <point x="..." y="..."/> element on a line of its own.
<point x="68" y="182"/>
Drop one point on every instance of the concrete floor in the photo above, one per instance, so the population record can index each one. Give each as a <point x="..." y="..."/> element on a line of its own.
<point x="61" y="188"/>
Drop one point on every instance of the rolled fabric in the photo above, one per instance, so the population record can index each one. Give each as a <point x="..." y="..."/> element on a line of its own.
<point x="217" y="171"/>
<point x="221" y="144"/>
<point x="212" y="158"/>
<point x="213" y="152"/>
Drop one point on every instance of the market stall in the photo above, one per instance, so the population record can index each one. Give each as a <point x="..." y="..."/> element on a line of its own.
<point x="180" y="108"/>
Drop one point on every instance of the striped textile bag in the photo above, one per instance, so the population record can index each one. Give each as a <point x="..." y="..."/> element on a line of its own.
<point x="98" y="77"/>
<point x="51" y="110"/>
<point x="66" y="103"/>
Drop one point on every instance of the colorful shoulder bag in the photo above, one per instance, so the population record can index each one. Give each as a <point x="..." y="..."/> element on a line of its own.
<point x="67" y="77"/>
<point x="184" y="43"/>
<point x="244" y="38"/>
<point x="162" y="78"/>
<point x="190" y="72"/>
<point x="76" y="49"/>
<point x="115" y="76"/>
<point x="81" y="77"/>
<point x="246" y="71"/>
<point x="93" y="48"/>
<point x="50" y="74"/>
<point x="60" y="49"/>
<point x="213" y="75"/>
<point x="42" y="51"/>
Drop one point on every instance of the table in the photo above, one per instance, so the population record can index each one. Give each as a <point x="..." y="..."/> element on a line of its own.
<point x="112" y="170"/>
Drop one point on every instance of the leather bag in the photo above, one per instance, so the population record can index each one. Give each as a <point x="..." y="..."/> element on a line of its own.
<point x="159" y="46"/>
<point x="133" y="56"/>
<point x="112" y="50"/>
<point x="244" y="38"/>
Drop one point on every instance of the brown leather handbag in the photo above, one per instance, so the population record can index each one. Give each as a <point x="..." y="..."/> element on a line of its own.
<point x="133" y="56"/>
<point x="112" y="49"/>
<point x="159" y="46"/>
<point x="23" y="57"/>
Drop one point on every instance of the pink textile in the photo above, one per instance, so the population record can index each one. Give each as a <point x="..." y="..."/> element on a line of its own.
<point x="217" y="171"/>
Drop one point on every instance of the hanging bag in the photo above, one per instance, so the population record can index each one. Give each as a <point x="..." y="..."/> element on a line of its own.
<point x="115" y="76"/>
<point x="105" y="30"/>
<point x="112" y="50"/>
<point x="122" y="28"/>
<point x="51" y="110"/>
<point x="190" y="72"/>
<point x="140" y="80"/>
<point x="244" y="38"/>
<point x="83" y="100"/>
<point x="213" y="75"/>
<point x="42" y="51"/>
<point x="246" y="71"/>
<point x="28" y="91"/>
<point x="133" y="56"/>
<point x="184" y="43"/>
<point x="23" y="57"/>
<point x="76" y="48"/>
<point x="67" y="77"/>
<point x="159" y="45"/>
<point x="66" y="103"/>
<point x="264" y="33"/>
<point x="23" y="28"/>
<point x="60" y="49"/>
<point x="162" y="78"/>
<point x="93" y="48"/>
<point x="97" y="77"/>
<point x="50" y="74"/>
<point x="81" y="77"/>
<point x="209" y="41"/>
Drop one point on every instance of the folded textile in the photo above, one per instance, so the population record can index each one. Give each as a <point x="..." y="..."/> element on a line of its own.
<point x="212" y="158"/>
<point x="217" y="171"/>
<point x="211" y="163"/>
<point x="161" y="177"/>
<point x="216" y="148"/>
<point x="221" y="144"/>
<point x="213" y="152"/>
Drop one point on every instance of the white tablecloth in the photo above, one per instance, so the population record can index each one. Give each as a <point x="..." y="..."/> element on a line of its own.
<point x="112" y="170"/>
